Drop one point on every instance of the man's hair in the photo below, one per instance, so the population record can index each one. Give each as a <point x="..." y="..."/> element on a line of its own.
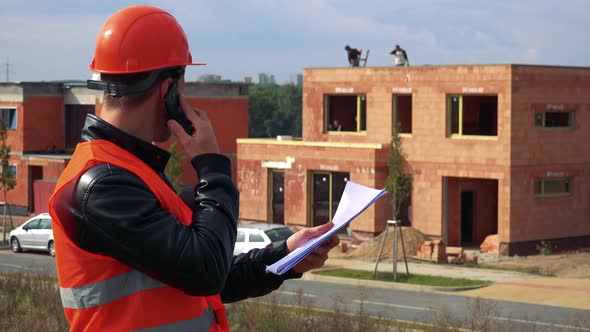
<point x="133" y="100"/>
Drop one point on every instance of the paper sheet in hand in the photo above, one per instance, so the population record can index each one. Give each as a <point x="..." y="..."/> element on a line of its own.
<point x="355" y="199"/>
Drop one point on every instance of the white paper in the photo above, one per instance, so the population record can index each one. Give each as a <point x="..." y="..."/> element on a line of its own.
<point x="355" y="199"/>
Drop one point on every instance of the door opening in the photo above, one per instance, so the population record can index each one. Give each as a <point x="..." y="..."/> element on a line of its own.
<point x="467" y="208"/>
<point x="277" y="197"/>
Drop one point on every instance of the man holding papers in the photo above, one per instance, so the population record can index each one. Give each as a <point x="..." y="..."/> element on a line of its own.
<point x="355" y="199"/>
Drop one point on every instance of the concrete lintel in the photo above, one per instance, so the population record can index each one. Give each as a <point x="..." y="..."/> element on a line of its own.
<point x="11" y="93"/>
<point x="271" y="141"/>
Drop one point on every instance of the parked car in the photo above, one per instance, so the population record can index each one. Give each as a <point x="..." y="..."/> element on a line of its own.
<point x="260" y="236"/>
<point x="35" y="234"/>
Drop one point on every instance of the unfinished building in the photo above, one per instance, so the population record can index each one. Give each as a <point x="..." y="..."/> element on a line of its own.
<point x="493" y="149"/>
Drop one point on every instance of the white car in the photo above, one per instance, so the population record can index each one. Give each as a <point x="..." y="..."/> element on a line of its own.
<point x="35" y="234"/>
<point x="260" y="236"/>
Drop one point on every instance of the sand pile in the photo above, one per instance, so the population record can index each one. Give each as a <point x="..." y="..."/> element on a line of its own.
<point x="370" y="248"/>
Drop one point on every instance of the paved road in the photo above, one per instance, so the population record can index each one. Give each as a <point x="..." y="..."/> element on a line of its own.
<point x="27" y="262"/>
<point x="417" y="306"/>
<point x="429" y="307"/>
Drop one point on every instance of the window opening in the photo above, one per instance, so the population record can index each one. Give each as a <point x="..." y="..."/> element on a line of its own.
<point x="472" y="115"/>
<point x="346" y="113"/>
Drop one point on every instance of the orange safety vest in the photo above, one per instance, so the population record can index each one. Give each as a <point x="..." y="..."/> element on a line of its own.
<point x="99" y="293"/>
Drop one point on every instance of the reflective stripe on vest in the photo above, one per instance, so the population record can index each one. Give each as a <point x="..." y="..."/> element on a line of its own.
<point x="202" y="323"/>
<point x="106" y="291"/>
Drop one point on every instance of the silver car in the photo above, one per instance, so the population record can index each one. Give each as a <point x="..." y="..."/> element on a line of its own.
<point x="35" y="234"/>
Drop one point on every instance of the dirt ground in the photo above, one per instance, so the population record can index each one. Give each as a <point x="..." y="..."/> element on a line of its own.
<point x="370" y="249"/>
<point x="565" y="265"/>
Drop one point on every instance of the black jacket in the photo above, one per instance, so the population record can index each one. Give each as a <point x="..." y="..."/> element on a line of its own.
<point x="112" y="212"/>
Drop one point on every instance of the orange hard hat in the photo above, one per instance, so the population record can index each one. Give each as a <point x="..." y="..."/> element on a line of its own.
<point x="138" y="39"/>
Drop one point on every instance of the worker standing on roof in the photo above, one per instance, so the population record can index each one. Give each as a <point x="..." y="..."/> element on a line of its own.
<point x="130" y="254"/>
<point x="401" y="57"/>
<point x="354" y="55"/>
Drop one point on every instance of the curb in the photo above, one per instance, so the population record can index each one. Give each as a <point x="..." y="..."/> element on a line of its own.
<point x="386" y="284"/>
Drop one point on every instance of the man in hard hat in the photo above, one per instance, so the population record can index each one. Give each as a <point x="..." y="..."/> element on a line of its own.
<point x="130" y="254"/>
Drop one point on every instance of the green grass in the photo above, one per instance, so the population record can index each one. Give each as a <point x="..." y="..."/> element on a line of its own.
<point x="414" y="279"/>
<point x="528" y="269"/>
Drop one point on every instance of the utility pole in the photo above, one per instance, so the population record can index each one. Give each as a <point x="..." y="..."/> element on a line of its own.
<point x="6" y="66"/>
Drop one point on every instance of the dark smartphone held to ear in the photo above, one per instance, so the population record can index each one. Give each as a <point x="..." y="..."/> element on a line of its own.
<point x="175" y="111"/>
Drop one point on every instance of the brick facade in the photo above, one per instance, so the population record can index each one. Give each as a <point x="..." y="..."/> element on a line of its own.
<point x="498" y="170"/>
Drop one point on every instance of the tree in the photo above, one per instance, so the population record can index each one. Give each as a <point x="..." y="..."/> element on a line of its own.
<point x="7" y="178"/>
<point x="174" y="168"/>
<point x="275" y="110"/>
<point x="398" y="183"/>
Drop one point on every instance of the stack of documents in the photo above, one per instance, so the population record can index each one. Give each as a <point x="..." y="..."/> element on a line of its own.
<point x="355" y="199"/>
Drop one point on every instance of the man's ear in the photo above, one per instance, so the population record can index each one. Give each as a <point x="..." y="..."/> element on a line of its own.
<point x="164" y="88"/>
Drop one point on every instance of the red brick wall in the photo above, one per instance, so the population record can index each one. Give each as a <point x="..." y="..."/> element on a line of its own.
<point x="20" y="195"/>
<point x="551" y="217"/>
<point x="537" y="153"/>
<point x="229" y="117"/>
<point x="43" y="124"/>
<point x="253" y="179"/>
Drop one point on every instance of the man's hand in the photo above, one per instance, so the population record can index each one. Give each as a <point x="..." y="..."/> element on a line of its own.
<point x="203" y="139"/>
<point x="317" y="257"/>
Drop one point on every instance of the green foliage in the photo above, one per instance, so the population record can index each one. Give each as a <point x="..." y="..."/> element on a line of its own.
<point x="398" y="183"/>
<point x="7" y="179"/>
<point x="174" y="168"/>
<point x="275" y="110"/>
<point x="545" y="248"/>
<point x="415" y="279"/>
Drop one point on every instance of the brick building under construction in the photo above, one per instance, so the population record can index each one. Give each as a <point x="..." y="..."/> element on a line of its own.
<point x="493" y="149"/>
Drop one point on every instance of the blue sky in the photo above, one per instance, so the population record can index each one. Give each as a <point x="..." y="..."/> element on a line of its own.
<point x="51" y="40"/>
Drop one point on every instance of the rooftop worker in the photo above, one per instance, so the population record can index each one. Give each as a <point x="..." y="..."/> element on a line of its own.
<point x="354" y="55"/>
<point x="130" y="254"/>
<point x="401" y="57"/>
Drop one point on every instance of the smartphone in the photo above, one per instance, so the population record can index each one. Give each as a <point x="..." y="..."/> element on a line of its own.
<point x="175" y="111"/>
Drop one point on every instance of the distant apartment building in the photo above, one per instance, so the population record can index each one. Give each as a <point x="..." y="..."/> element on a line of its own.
<point x="297" y="79"/>
<point x="263" y="78"/>
<point x="493" y="149"/>
<point x="45" y="119"/>
<point x="212" y="78"/>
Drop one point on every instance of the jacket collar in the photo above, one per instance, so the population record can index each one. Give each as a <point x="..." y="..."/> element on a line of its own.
<point x="96" y="128"/>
